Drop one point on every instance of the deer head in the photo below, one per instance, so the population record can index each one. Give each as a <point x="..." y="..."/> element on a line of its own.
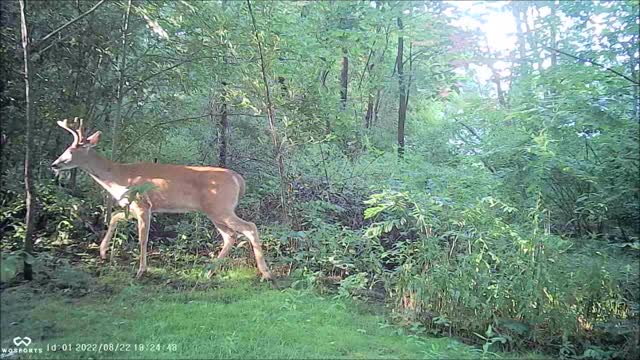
<point x="77" y="154"/>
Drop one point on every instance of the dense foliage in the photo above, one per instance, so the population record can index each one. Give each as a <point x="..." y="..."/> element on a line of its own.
<point x="503" y="209"/>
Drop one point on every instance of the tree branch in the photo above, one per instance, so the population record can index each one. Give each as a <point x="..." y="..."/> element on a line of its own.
<point x="168" y="122"/>
<point x="71" y="22"/>
<point x="366" y="66"/>
<point x="594" y="63"/>
<point x="156" y="126"/>
<point x="470" y="129"/>
<point x="190" y="59"/>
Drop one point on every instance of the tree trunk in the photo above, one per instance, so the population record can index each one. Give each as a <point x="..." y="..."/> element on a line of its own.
<point x="495" y="77"/>
<point x="402" y="106"/>
<point x="224" y="125"/>
<point x="224" y="116"/>
<point x="376" y="107"/>
<point x="30" y="193"/>
<point x="531" y="37"/>
<point x="272" y="124"/>
<point x="501" y="98"/>
<point x="73" y="180"/>
<point x="554" y="23"/>
<point x="344" y="79"/>
<point x="119" y="97"/>
<point x="369" y="115"/>
<point x="634" y="62"/>
<point x="522" y="47"/>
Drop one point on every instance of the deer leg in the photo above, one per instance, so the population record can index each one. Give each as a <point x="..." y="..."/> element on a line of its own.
<point x="113" y="225"/>
<point x="249" y="230"/>
<point x="144" y="223"/>
<point x="228" y="238"/>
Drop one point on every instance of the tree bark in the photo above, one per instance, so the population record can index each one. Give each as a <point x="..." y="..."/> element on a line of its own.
<point x="369" y="115"/>
<point x="376" y="108"/>
<point x="119" y="98"/>
<point x="344" y="79"/>
<point x="224" y="116"/>
<point x="277" y="147"/>
<point x="495" y="76"/>
<point x="554" y="22"/>
<point x="531" y="36"/>
<point x="224" y="125"/>
<point x="402" y="106"/>
<point x="30" y="193"/>
<point x="522" y="47"/>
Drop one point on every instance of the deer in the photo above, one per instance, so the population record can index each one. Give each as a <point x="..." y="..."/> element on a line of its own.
<point x="169" y="189"/>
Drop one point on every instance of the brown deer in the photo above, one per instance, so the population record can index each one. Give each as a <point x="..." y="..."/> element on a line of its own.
<point x="169" y="189"/>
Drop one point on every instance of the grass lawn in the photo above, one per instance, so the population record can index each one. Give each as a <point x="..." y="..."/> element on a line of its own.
<point x="233" y="316"/>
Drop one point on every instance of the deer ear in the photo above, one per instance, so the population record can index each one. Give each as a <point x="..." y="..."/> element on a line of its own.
<point x="94" y="138"/>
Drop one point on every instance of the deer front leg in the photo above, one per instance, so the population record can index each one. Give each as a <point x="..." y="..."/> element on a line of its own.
<point x="113" y="225"/>
<point x="144" y="223"/>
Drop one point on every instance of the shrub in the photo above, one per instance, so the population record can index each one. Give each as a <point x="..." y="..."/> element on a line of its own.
<point x="464" y="269"/>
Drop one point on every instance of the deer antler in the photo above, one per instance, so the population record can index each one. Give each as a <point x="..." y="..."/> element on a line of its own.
<point x="65" y="125"/>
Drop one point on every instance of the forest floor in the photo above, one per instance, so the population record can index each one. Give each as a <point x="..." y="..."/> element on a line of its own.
<point x="77" y="315"/>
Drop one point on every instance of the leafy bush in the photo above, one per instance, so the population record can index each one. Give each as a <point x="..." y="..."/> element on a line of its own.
<point x="62" y="220"/>
<point x="475" y="268"/>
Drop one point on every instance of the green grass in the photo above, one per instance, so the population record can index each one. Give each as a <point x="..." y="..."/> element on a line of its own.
<point x="238" y="317"/>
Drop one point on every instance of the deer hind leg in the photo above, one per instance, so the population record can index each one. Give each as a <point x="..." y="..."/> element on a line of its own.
<point x="143" y="214"/>
<point x="228" y="238"/>
<point x="113" y="225"/>
<point x="249" y="230"/>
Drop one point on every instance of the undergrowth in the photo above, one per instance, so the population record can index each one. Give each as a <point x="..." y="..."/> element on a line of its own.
<point x="443" y="260"/>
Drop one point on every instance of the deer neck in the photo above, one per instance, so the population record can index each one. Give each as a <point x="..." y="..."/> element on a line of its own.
<point x="106" y="173"/>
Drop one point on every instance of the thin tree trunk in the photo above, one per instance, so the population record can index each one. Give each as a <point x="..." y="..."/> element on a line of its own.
<point x="369" y="115"/>
<point x="224" y="125"/>
<point x="373" y="100"/>
<point x="30" y="193"/>
<point x="498" y="81"/>
<point x="501" y="98"/>
<point x="73" y="99"/>
<point x="215" y="124"/>
<point x="73" y="180"/>
<point x="402" y="106"/>
<point x="554" y="23"/>
<point x="224" y="116"/>
<point x="119" y="98"/>
<point x="408" y="83"/>
<point x="376" y="107"/>
<point x="635" y="77"/>
<point x="272" y="124"/>
<point x="531" y="37"/>
<point x="344" y="79"/>
<point x="522" y="47"/>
